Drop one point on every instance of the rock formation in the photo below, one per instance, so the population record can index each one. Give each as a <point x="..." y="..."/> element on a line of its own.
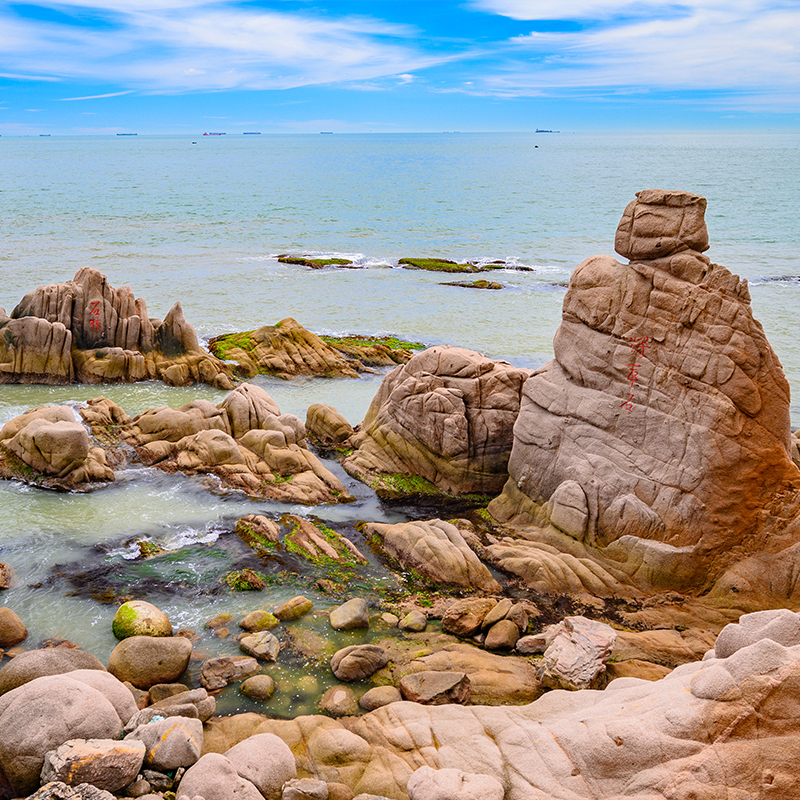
<point x="707" y="729"/>
<point x="288" y="350"/>
<point x="85" y="331"/>
<point x="660" y="431"/>
<point x="445" y="416"/>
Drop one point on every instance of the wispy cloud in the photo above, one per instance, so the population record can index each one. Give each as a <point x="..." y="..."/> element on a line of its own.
<point x="98" y="96"/>
<point x="188" y="45"/>
<point x="742" y="45"/>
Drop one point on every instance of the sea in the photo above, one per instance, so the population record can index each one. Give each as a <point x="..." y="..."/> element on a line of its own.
<point x="202" y="219"/>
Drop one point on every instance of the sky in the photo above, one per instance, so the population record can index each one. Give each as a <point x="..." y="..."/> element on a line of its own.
<point x="352" y="66"/>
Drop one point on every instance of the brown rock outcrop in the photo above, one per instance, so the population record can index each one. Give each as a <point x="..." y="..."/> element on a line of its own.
<point x="49" y="447"/>
<point x="445" y="416"/>
<point x="665" y="413"/>
<point x="245" y="441"/>
<point x="86" y="331"/>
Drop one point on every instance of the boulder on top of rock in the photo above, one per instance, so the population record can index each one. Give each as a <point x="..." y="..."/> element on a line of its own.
<point x="84" y="330"/>
<point x="665" y="412"/>
<point x="327" y="426"/>
<point x="446" y="416"/>
<point x="266" y="761"/>
<point x="217" y="673"/>
<point x="436" y="688"/>
<point x="170" y="743"/>
<point x="436" y="550"/>
<point x="357" y="662"/>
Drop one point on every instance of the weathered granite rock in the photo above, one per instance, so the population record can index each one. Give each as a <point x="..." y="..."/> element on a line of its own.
<point x="707" y="728"/>
<point x="449" y="784"/>
<point x="357" y="662"/>
<point x="305" y="789"/>
<point x="316" y="543"/>
<point x="56" y="790"/>
<point x="140" y="618"/>
<point x="5" y="576"/>
<point x="41" y="715"/>
<point x="436" y="550"/>
<point x="262" y="645"/>
<point x="194" y="704"/>
<point x="170" y="743"/>
<point x="48" y="447"/>
<point x="503" y="635"/>
<point x="86" y="331"/>
<point x="105" y="763"/>
<point x="665" y="413"/>
<point x="445" y="416"/>
<point x="47" y="661"/>
<point x="576" y="654"/>
<point x="464" y="617"/>
<point x="12" y="628"/>
<point x="436" y="688"/>
<point x="350" y="615"/>
<point x="265" y="761"/>
<point x="214" y="777"/>
<point x="147" y="660"/>
<point x="327" y="426"/>
<point x="415" y="622"/>
<point x="285" y="350"/>
<point x="244" y="441"/>
<point x="258" y="532"/>
<point x="217" y="673"/>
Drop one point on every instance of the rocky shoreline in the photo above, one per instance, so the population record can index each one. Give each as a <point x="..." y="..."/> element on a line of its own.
<point x="611" y="611"/>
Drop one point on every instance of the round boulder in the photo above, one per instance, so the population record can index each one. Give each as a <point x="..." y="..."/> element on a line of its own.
<point x="48" y="661"/>
<point x="147" y="660"/>
<point x="358" y="661"/>
<point x="139" y="618"/>
<point x="339" y="701"/>
<point x="379" y="696"/>
<point x="214" y="777"/>
<point x="258" y="687"/>
<point x="294" y="608"/>
<point x="350" y="615"/>
<point x="266" y="761"/>
<point x="12" y="628"/>
<point x="43" y="714"/>
<point x="260" y="620"/>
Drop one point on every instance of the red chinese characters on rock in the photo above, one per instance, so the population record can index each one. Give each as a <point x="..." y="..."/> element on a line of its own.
<point x="94" y="316"/>
<point x="638" y="345"/>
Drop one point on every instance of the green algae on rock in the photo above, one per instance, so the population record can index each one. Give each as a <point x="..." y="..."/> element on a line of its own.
<point x="481" y="283"/>
<point x="316" y="263"/>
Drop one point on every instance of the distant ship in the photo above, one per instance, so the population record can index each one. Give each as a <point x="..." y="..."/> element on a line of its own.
<point x="252" y="133"/>
<point x="127" y="134"/>
<point x="214" y="134"/>
<point x="44" y="134"/>
<point x="326" y="132"/>
<point x="540" y="130"/>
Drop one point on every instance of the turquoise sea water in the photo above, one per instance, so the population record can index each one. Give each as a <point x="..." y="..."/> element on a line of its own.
<point x="202" y="219"/>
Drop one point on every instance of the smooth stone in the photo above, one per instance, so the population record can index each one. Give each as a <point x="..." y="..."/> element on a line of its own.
<point x="503" y="635"/>
<point x="171" y="743"/>
<point x="139" y="618"/>
<point x="217" y="673"/>
<point x="414" y="622"/>
<point x="48" y="661"/>
<point x="379" y="696"/>
<point x="340" y="701"/>
<point x="214" y="777"/>
<point x="148" y="660"/>
<point x="262" y="645"/>
<point x="266" y="761"/>
<point x="259" y="620"/>
<point x="293" y="609"/>
<point x="161" y="691"/>
<point x="357" y="662"/>
<point x="436" y="688"/>
<point x="12" y="628"/>
<point x="258" y="687"/>
<point x="465" y="617"/>
<point x="350" y="615"/>
<point x="105" y="763"/>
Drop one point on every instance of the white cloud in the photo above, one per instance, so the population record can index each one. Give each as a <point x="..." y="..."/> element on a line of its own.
<point x="97" y="96"/>
<point x="158" y="47"/>
<point x="750" y="46"/>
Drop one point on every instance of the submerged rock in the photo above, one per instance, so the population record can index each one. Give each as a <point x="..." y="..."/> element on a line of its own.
<point x="85" y="331"/>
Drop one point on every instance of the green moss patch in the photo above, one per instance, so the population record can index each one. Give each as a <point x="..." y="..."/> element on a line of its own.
<point x="315" y="263"/>
<point x="245" y="580"/>
<point x="392" y="342"/>
<point x="437" y="265"/>
<point x="221" y="346"/>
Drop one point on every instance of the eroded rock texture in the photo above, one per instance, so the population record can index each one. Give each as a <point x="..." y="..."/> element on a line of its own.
<point x="446" y="416"/>
<point x="86" y="331"/>
<point x="665" y="413"/>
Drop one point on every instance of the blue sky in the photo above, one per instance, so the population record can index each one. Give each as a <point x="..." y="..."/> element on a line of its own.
<point x="289" y="66"/>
